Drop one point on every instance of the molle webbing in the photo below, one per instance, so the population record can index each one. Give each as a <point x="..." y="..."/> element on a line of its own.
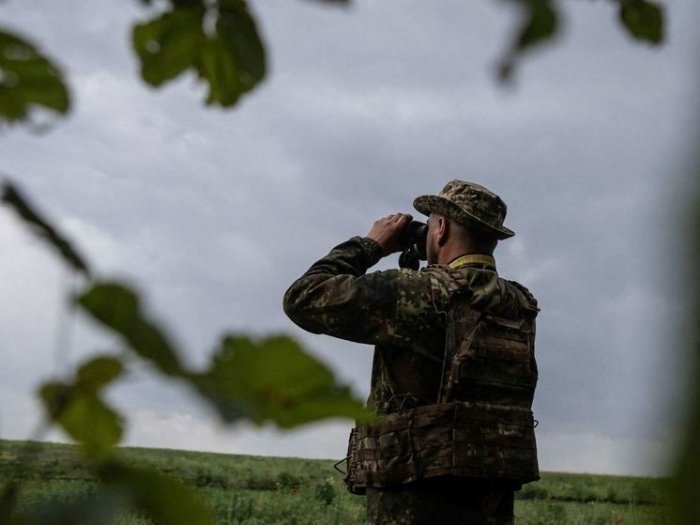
<point x="493" y="361"/>
<point x="457" y="439"/>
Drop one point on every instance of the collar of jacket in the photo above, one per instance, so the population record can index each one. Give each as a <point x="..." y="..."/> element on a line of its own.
<point x="474" y="258"/>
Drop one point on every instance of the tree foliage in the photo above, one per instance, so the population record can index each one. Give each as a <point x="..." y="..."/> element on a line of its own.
<point x="28" y="79"/>
<point x="12" y="196"/>
<point x="218" y="41"/>
<point x="226" y="52"/>
<point x="643" y="20"/>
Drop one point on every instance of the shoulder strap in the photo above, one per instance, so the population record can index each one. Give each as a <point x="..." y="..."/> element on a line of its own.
<point x="529" y="303"/>
<point x="458" y="341"/>
<point x="460" y="329"/>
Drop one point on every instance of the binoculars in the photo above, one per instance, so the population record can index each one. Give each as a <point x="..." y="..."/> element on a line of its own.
<point x="413" y="245"/>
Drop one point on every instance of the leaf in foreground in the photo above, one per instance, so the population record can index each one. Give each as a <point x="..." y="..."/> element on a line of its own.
<point x="643" y="20"/>
<point x="229" y="55"/>
<point x="98" y="508"/>
<point x="117" y="307"/>
<point x="169" y="44"/>
<point x="540" y="22"/>
<point x="158" y="497"/>
<point x="78" y="409"/>
<point x="123" y="488"/>
<point x="100" y="371"/>
<point x="13" y="198"/>
<point x="27" y="80"/>
<point x="274" y="380"/>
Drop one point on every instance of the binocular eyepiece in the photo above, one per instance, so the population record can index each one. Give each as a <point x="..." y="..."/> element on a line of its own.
<point x="413" y="245"/>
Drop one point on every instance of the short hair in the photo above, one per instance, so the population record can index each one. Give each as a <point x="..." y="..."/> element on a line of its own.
<point x="479" y="240"/>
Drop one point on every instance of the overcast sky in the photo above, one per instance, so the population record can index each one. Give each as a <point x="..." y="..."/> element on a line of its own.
<point x="215" y="213"/>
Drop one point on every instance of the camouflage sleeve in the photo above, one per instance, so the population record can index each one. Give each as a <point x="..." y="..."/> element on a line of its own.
<point x="336" y="297"/>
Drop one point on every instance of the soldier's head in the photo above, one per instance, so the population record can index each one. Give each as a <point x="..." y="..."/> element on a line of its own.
<point x="444" y="232"/>
<point x="465" y="217"/>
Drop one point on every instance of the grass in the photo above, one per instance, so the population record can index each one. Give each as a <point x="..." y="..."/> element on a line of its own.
<point x="250" y="490"/>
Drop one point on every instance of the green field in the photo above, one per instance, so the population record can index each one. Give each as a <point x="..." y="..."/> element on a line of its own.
<point x="263" y="490"/>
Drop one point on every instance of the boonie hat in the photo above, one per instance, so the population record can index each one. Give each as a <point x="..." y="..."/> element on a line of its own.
<point x="470" y="204"/>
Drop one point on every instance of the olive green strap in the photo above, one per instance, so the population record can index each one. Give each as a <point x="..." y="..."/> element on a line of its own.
<point x="472" y="258"/>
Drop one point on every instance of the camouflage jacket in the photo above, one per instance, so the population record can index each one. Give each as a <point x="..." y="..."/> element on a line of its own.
<point x="402" y="312"/>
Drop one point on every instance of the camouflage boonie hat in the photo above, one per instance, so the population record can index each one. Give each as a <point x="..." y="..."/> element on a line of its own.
<point x="470" y="204"/>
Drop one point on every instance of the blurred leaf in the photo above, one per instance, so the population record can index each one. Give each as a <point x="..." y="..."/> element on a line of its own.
<point x="84" y="417"/>
<point x="229" y="56"/>
<point x="643" y="19"/>
<point x="95" y="508"/>
<point x="117" y="307"/>
<point x="170" y="44"/>
<point x="93" y="424"/>
<point x="233" y="61"/>
<point x="99" y="371"/>
<point x="80" y="412"/>
<point x="8" y="500"/>
<point x="28" y="79"/>
<point x="161" y="499"/>
<point x="686" y="503"/>
<point x="274" y="380"/>
<point x="539" y="24"/>
<point x="12" y="197"/>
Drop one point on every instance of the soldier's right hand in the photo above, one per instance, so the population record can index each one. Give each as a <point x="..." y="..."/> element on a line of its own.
<point x="387" y="231"/>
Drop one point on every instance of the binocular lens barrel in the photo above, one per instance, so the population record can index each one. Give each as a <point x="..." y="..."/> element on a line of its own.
<point x="413" y="245"/>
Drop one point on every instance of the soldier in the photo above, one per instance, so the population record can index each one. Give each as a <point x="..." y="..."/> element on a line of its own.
<point x="454" y="371"/>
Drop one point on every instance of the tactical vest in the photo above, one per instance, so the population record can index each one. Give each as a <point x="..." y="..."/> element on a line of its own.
<point x="481" y="425"/>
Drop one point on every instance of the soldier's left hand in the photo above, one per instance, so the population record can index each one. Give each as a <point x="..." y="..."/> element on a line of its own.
<point x="387" y="231"/>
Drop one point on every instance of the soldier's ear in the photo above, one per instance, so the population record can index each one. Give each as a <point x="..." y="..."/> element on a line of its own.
<point x="443" y="230"/>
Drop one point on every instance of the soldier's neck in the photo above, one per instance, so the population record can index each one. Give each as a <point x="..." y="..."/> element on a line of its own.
<point x="454" y="249"/>
<point x="449" y="253"/>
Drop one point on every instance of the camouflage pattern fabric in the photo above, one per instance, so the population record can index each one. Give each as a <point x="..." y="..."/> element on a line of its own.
<point x="466" y="439"/>
<point x="404" y="313"/>
<point x="468" y="203"/>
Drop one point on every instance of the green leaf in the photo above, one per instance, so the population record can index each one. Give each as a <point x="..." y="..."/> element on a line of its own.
<point x="84" y="417"/>
<point x="93" y="424"/>
<point x="99" y="371"/>
<point x="56" y="397"/>
<point x="540" y="22"/>
<point x="28" y="79"/>
<point x="234" y="61"/>
<point x="13" y="198"/>
<point x="170" y="44"/>
<point x="117" y="307"/>
<point x="274" y="380"/>
<point x="159" y="498"/>
<point x="80" y="412"/>
<point x="229" y="57"/>
<point x="643" y="20"/>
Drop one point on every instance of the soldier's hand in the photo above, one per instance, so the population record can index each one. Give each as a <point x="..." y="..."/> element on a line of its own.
<point x="387" y="231"/>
